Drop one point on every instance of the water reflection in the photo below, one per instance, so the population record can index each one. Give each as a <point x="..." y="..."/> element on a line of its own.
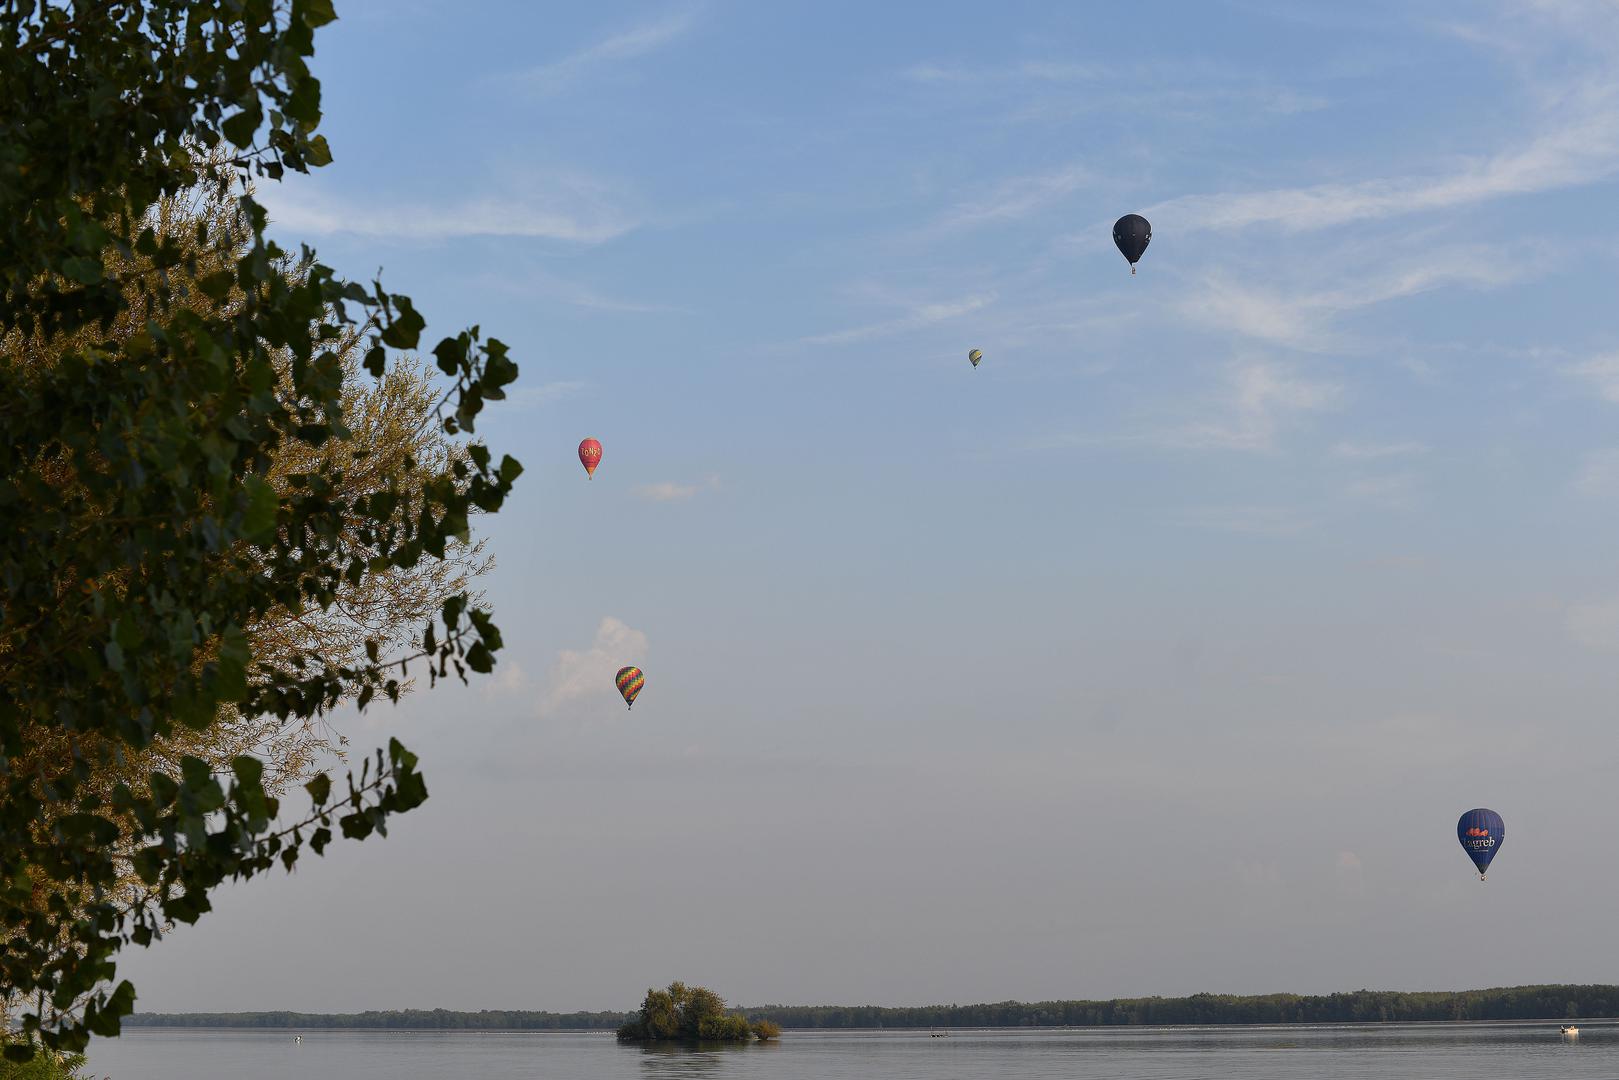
<point x="688" y="1062"/>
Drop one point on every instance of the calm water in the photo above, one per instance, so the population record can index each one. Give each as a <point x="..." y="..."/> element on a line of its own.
<point x="1407" y="1052"/>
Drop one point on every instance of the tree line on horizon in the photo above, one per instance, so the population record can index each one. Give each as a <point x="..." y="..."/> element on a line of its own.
<point x="1550" y="1002"/>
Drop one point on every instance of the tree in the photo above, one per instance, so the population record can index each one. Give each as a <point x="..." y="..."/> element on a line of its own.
<point x="389" y="427"/>
<point x="181" y="489"/>
<point x="689" y="1014"/>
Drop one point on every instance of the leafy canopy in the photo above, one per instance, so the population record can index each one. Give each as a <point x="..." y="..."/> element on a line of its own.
<point x="690" y="1014"/>
<point x="145" y="529"/>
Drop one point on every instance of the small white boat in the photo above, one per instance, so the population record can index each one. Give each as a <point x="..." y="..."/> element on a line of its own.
<point x="1569" y="1029"/>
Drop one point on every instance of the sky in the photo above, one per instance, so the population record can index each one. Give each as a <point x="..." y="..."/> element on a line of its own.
<point x="1159" y="654"/>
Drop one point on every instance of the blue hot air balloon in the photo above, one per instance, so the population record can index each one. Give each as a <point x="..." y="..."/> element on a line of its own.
<point x="1481" y="833"/>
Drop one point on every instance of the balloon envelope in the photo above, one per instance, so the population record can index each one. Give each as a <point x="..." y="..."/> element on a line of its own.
<point x="629" y="681"/>
<point x="1481" y="832"/>
<point x="975" y="356"/>
<point x="590" y="456"/>
<point x="1131" y="235"/>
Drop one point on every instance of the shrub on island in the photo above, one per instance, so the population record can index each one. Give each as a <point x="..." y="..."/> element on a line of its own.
<point x="690" y="1014"/>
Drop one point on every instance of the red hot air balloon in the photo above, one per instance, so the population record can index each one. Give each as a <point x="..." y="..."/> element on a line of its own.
<point x="590" y="456"/>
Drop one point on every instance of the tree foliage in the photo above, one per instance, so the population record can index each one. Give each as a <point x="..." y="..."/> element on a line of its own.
<point x="685" y="1014"/>
<point x="1356" y="1007"/>
<point x="196" y="540"/>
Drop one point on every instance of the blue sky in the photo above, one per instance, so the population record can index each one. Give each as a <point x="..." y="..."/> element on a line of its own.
<point x="1158" y="654"/>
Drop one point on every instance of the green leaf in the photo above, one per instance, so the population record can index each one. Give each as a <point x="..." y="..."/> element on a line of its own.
<point x="313" y="13"/>
<point x="259" y="517"/>
<point x="249" y="770"/>
<point x="217" y="286"/>
<point x="318" y="153"/>
<point x="406" y="329"/>
<point x="83" y="269"/>
<point x="239" y="129"/>
<point x="320" y="789"/>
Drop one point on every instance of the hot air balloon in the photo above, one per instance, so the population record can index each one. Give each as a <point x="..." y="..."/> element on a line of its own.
<point x="1481" y="833"/>
<point x="1131" y="235"/>
<point x="975" y="356"/>
<point x="629" y="681"/>
<point x="590" y="456"/>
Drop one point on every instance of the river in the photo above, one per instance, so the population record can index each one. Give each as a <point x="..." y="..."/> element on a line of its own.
<point x="1509" y="1051"/>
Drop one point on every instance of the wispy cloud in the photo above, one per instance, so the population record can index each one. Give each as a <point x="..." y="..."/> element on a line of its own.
<point x="581" y="674"/>
<point x="919" y="316"/>
<point x="532" y="397"/>
<point x="1577" y="143"/>
<point x="1393" y="491"/>
<point x="1598" y="477"/>
<point x="1261" y="398"/>
<point x="669" y="491"/>
<point x="1602" y="373"/>
<point x="1302" y="318"/>
<point x="1353" y="451"/>
<point x="1066" y="86"/>
<point x="571" y="209"/>
<point x="648" y="37"/>
<point x="1274" y="521"/>
<point x="1017" y="197"/>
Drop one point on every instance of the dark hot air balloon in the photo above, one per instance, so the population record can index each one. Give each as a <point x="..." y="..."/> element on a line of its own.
<point x="975" y="356"/>
<point x="590" y="456"/>
<point x="629" y="681"/>
<point x="1481" y="833"/>
<point x="1131" y="235"/>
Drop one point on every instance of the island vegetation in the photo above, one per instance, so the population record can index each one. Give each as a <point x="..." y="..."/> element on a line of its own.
<point x="1357" y="1007"/>
<point x="691" y="1014"/>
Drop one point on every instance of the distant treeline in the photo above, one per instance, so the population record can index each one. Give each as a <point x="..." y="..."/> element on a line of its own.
<point x="414" y="1019"/>
<point x="1361" y="1006"/>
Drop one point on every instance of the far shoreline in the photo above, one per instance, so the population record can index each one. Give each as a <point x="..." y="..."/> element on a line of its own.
<point x="1360" y="1008"/>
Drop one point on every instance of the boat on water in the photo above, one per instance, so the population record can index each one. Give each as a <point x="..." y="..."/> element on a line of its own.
<point x="1569" y="1029"/>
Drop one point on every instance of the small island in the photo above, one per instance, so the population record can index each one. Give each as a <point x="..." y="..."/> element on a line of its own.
<point x="691" y="1015"/>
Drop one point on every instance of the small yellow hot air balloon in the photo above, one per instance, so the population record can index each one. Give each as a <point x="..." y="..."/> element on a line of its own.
<point x="975" y="356"/>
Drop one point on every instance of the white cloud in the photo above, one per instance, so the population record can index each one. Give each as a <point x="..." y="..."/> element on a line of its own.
<point x="582" y="674"/>
<point x="1018" y="197"/>
<point x="1580" y="152"/>
<point x="1303" y="318"/>
<point x="635" y="42"/>
<point x="668" y="491"/>
<point x="1273" y="521"/>
<point x="532" y="397"/>
<point x="1394" y="491"/>
<point x="509" y="679"/>
<point x="919" y="316"/>
<point x="1601" y="372"/>
<point x="1573" y="140"/>
<point x="1375" y="451"/>
<point x="572" y="209"/>
<point x="1261" y="398"/>
<point x="1598" y="477"/>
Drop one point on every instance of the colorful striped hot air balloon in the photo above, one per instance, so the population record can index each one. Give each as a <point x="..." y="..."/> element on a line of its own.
<point x="975" y="356"/>
<point x="590" y="456"/>
<point x="629" y="682"/>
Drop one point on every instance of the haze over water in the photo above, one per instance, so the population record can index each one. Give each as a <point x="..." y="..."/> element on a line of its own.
<point x="1380" y="1052"/>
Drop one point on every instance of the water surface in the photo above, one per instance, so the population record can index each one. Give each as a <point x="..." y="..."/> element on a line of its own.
<point x="1509" y="1051"/>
